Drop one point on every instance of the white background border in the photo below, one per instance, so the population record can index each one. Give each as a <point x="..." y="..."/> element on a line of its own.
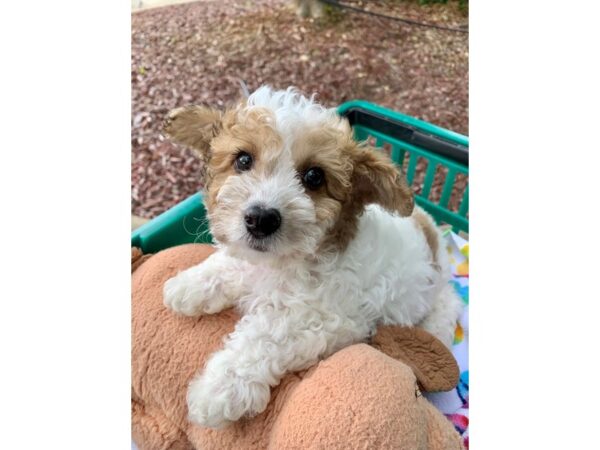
<point x="65" y="225"/>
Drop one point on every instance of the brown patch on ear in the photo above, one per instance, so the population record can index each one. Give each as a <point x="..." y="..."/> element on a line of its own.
<point x="194" y="126"/>
<point x="432" y="363"/>
<point x="428" y="229"/>
<point x="376" y="179"/>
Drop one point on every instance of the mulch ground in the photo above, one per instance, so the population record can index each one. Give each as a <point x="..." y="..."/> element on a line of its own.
<point x="196" y="52"/>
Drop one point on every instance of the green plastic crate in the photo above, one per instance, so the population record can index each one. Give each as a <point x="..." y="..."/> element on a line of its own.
<point x="406" y="139"/>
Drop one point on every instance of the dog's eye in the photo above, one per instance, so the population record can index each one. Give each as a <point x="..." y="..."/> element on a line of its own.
<point x="313" y="178"/>
<point x="243" y="162"/>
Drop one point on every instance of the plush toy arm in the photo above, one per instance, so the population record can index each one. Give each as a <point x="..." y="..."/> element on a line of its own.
<point x="207" y="288"/>
<point x="431" y="361"/>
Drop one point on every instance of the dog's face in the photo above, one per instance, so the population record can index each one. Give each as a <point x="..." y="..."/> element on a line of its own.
<point x="284" y="175"/>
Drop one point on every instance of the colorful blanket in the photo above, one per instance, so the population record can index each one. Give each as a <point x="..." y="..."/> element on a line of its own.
<point x="455" y="404"/>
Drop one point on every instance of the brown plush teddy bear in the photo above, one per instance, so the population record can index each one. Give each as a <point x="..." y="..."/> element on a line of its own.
<point x="362" y="397"/>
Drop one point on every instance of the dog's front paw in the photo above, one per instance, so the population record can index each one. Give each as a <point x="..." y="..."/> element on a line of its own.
<point x="216" y="402"/>
<point x="193" y="294"/>
<point x="181" y="296"/>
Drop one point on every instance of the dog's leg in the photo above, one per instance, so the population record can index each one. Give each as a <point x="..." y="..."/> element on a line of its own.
<point x="441" y="320"/>
<point x="236" y="381"/>
<point x="207" y="288"/>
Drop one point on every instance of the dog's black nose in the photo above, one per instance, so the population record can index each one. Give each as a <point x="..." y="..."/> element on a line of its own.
<point x="261" y="222"/>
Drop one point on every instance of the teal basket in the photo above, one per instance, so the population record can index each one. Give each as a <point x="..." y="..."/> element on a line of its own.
<point x="408" y="141"/>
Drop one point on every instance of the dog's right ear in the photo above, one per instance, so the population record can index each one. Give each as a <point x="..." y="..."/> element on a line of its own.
<point x="376" y="179"/>
<point x="194" y="126"/>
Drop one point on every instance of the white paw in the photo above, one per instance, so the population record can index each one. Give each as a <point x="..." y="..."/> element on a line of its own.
<point x="192" y="295"/>
<point x="215" y="402"/>
<point x="180" y="296"/>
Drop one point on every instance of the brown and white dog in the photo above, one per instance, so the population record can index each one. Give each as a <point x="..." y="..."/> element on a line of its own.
<point x="318" y="242"/>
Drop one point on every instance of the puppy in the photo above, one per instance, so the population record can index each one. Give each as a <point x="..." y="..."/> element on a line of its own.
<point x="318" y="241"/>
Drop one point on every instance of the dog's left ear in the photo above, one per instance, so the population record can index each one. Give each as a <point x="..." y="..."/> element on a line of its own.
<point x="376" y="179"/>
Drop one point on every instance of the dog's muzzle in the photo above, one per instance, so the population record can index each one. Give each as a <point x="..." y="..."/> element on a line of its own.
<point x="262" y="222"/>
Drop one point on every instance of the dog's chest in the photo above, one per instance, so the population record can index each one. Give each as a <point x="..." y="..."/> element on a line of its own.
<point x="319" y="288"/>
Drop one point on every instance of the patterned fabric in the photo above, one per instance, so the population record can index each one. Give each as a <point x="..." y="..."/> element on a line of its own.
<point x="455" y="404"/>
